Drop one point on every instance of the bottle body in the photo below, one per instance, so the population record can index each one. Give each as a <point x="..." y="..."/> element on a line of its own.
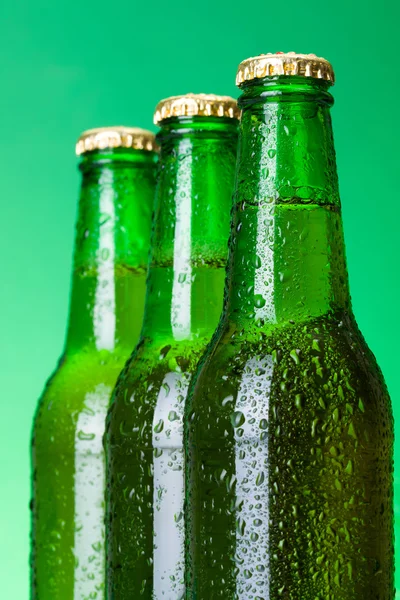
<point x="144" y="434"/>
<point x="288" y="427"/>
<point x="107" y="301"/>
<point x="290" y="450"/>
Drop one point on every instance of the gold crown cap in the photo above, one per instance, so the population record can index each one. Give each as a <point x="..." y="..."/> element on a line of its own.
<point x="116" y="137"/>
<point x="196" y="105"/>
<point x="284" y="63"/>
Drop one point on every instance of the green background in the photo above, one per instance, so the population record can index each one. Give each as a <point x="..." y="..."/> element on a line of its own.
<point x="67" y="66"/>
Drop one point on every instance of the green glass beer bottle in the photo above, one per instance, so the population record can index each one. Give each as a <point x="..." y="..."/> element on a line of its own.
<point x="108" y="292"/>
<point x="144" y="432"/>
<point x="288" y="423"/>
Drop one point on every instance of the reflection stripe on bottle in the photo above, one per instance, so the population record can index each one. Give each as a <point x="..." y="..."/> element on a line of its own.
<point x="169" y="554"/>
<point x="251" y="461"/>
<point x="89" y="495"/>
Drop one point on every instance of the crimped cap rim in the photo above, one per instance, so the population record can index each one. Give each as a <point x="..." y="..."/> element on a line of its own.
<point x="196" y="105"/>
<point x="119" y="136"/>
<point x="284" y="63"/>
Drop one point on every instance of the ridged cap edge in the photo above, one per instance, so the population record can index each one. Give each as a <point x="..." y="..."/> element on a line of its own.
<point x="196" y="105"/>
<point x="284" y="63"/>
<point x="102" y="138"/>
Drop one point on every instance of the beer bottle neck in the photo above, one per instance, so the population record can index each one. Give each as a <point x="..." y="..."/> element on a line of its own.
<point x="111" y="249"/>
<point x="189" y="245"/>
<point x="287" y="258"/>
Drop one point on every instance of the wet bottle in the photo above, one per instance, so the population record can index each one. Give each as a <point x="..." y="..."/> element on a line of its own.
<point x="106" y="309"/>
<point x="144" y="432"/>
<point x="288" y="426"/>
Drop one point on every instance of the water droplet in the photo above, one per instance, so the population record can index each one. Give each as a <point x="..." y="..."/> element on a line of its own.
<point x="257" y="262"/>
<point x="159" y="426"/>
<point x="338" y="485"/>
<point x="294" y="354"/>
<point x="173" y="415"/>
<point x="260" y="478"/>
<point x="351" y="431"/>
<point x="285" y="275"/>
<point x="226" y="400"/>
<point x="349" y="468"/>
<point x="178" y="517"/>
<point x="237" y="418"/>
<point x="181" y="277"/>
<point x="97" y="546"/>
<point x="265" y="172"/>
<point x="298" y="401"/>
<point x="315" y="345"/>
<point x="163" y="353"/>
<point x="86" y="436"/>
<point x="247" y="573"/>
<point x="259" y="301"/>
<point x="240" y="526"/>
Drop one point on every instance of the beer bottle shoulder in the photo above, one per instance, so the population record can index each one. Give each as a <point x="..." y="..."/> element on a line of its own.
<point x="150" y="393"/>
<point x="79" y="384"/>
<point x="321" y="371"/>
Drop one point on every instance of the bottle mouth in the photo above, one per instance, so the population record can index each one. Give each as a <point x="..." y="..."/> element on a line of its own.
<point x="197" y="127"/>
<point x="285" y="88"/>
<point x="116" y="156"/>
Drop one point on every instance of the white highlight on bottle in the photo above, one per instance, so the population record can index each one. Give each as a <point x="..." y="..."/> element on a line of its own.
<point x="182" y="283"/>
<point x="89" y="485"/>
<point x="264" y="283"/>
<point x="169" y="549"/>
<point x="104" y="318"/>
<point x="252" y="474"/>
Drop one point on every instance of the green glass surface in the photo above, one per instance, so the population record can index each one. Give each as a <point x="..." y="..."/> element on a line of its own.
<point x="145" y="482"/>
<point x="106" y="309"/>
<point x="70" y="65"/>
<point x="289" y="427"/>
